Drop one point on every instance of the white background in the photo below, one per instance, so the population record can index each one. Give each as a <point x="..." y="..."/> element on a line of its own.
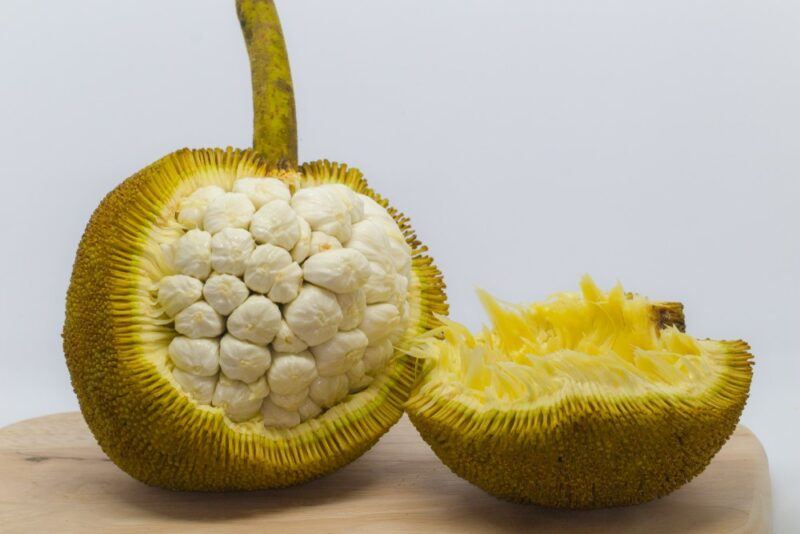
<point x="657" y="143"/>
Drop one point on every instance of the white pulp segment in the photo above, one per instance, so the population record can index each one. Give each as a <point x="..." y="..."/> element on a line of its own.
<point x="262" y="190"/>
<point x="380" y="284"/>
<point x="341" y="271"/>
<point x="353" y="306"/>
<point x="230" y="249"/>
<point x="276" y="223"/>
<point x="177" y="292"/>
<point x="239" y="400"/>
<point x="277" y="417"/>
<point x="192" y="254"/>
<point x="197" y="356"/>
<point x="302" y="248"/>
<point x="314" y="315"/>
<point x="326" y="391"/>
<point x="357" y="377"/>
<point x="192" y="209"/>
<point x="200" y="388"/>
<point x="376" y="356"/>
<point x="291" y="373"/>
<point x="243" y="360"/>
<point x="256" y="320"/>
<point x="379" y="321"/>
<point x="231" y="210"/>
<point x="337" y="355"/>
<point x="287" y="341"/>
<point x="324" y="210"/>
<point x="287" y="284"/>
<point x="199" y="320"/>
<point x="369" y="239"/>
<point x="292" y="401"/>
<point x="308" y="410"/>
<point x="225" y="292"/>
<point x="263" y="265"/>
<point x="320" y="242"/>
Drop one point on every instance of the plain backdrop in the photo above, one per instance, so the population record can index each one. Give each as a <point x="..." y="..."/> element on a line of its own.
<point x="656" y="143"/>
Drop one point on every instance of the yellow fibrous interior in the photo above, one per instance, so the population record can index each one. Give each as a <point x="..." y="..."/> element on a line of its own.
<point x="585" y="343"/>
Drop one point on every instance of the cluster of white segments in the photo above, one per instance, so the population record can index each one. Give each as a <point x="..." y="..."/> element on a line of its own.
<point x="283" y="304"/>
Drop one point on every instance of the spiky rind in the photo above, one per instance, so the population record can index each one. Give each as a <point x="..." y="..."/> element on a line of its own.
<point x="589" y="452"/>
<point x="145" y="424"/>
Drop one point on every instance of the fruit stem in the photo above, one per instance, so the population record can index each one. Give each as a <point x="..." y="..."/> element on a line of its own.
<point x="274" y="120"/>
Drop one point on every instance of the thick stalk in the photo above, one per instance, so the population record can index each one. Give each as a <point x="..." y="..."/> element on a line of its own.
<point x="274" y="120"/>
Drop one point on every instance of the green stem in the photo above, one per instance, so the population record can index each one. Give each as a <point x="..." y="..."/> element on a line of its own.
<point x="274" y="120"/>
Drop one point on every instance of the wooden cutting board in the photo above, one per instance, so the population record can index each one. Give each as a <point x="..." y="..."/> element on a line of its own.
<point x="54" y="478"/>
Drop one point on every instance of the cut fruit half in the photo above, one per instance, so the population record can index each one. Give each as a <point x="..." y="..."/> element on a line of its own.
<point x="584" y="400"/>
<point x="185" y="368"/>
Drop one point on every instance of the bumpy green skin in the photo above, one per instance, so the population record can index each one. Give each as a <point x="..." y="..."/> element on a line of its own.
<point x="574" y="457"/>
<point x="146" y="425"/>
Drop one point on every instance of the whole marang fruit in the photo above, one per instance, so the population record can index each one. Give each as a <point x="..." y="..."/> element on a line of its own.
<point x="236" y="320"/>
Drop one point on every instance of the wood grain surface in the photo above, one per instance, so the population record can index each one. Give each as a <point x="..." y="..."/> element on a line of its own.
<point x="54" y="478"/>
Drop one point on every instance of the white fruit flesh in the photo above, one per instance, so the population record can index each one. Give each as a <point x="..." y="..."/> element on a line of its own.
<point x="262" y="190"/>
<point x="257" y="320"/>
<point x="314" y="315"/>
<point x="320" y="242"/>
<point x="239" y="400"/>
<point x="287" y="341"/>
<point x="287" y="284"/>
<point x="277" y="417"/>
<point x="231" y="210"/>
<point x="291" y="373"/>
<point x="177" y="292"/>
<point x="376" y="356"/>
<point x="196" y="356"/>
<point x="302" y="249"/>
<point x="353" y="305"/>
<point x="243" y="360"/>
<point x="200" y="388"/>
<point x="283" y="302"/>
<point x="292" y="401"/>
<point x="262" y="266"/>
<point x="199" y="320"/>
<point x="380" y="284"/>
<point x="225" y="292"/>
<point x="380" y="320"/>
<point x="337" y="355"/>
<point x="308" y="410"/>
<point x="357" y="377"/>
<point x="326" y="391"/>
<point x="193" y="207"/>
<point x="193" y="254"/>
<point x="324" y="210"/>
<point x="341" y="271"/>
<point x="230" y="249"/>
<point x="276" y="223"/>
